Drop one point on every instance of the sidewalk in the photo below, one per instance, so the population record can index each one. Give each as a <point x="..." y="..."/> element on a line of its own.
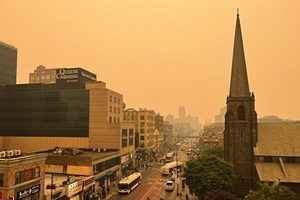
<point x="184" y="193"/>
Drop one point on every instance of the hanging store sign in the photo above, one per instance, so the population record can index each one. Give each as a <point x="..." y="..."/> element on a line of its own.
<point x="74" y="188"/>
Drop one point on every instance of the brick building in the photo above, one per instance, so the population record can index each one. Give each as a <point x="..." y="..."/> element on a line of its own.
<point x="22" y="176"/>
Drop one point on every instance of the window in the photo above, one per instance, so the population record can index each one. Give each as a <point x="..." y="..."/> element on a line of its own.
<point x="131" y="133"/>
<point x="115" y="99"/>
<point x="132" y="117"/>
<point x="142" y="137"/>
<point x="268" y="159"/>
<point x="27" y="175"/>
<point x="18" y="177"/>
<point x="110" y="120"/>
<point x="142" y="124"/>
<point x="110" y="109"/>
<point x="124" y="137"/>
<point x="115" y="121"/>
<point x="110" y="98"/>
<point x="241" y="113"/>
<point x="114" y="109"/>
<point x="142" y="117"/>
<point x="290" y="159"/>
<point x="37" y="172"/>
<point x="142" y="130"/>
<point x="1" y="180"/>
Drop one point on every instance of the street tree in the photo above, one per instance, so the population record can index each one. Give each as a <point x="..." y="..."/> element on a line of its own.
<point x="220" y="195"/>
<point x="271" y="192"/>
<point x="217" y="151"/>
<point x="209" y="173"/>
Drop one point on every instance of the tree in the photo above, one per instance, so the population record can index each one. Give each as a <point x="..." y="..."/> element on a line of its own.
<point x="209" y="174"/>
<point x="271" y="192"/>
<point x="217" y="151"/>
<point x="220" y="195"/>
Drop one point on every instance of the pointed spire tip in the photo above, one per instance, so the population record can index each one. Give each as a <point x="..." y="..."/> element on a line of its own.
<point x="237" y="11"/>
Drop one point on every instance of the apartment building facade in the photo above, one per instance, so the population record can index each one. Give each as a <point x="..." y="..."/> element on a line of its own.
<point x="22" y="177"/>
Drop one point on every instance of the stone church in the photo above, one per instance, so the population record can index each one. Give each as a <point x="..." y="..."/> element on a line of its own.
<point x="265" y="152"/>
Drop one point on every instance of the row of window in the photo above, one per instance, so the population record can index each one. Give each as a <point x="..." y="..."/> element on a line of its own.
<point x="276" y="159"/>
<point x="115" y="120"/>
<point x="100" y="167"/>
<point x="114" y="99"/>
<point x="114" y="110"/>
<point x="127" y="137"/>
<point x="142" y="117"/>
<point x="129" y="117"/>
<point x="142" y="124"/>
<point x="27" y="175"/>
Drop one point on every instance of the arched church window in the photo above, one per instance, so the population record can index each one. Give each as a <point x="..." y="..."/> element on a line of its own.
<point x="241" y="113"/>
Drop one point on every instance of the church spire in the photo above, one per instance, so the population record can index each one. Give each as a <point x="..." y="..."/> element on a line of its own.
<point x="239" y="86"/>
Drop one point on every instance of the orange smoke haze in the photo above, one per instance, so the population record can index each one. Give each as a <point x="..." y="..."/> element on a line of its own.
<point x="164" y="53"/>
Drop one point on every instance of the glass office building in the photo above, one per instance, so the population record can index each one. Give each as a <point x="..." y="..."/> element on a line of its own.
<point x="50" y="110"/>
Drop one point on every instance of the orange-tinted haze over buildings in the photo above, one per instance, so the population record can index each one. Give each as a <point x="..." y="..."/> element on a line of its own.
<point x="164" y="53"/>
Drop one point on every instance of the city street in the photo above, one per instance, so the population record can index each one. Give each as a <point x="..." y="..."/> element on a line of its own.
<point x="152" y="186"/>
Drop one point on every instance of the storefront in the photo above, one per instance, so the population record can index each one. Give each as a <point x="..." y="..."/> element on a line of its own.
<point x="29" y="192"/>
<point x="127" y="164"/>
<point x="105" y="181"/>
<point x="74" y="190"/>
<point x="89" y="188"/>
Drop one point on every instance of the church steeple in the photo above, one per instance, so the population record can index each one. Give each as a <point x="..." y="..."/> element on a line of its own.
<point x="239" y="86"/>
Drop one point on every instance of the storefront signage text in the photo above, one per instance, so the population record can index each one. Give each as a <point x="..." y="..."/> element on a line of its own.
<point x="27" y="192"/>
<point x="74" y="188"/>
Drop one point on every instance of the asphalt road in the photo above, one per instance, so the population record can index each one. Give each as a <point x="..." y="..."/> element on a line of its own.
<point x="152" y="185"/>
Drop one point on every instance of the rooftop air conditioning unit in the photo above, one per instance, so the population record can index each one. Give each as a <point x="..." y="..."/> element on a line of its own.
<point x="2" y="154"/>
<point x="18" y="152"/>
<point x="10" y="153"/>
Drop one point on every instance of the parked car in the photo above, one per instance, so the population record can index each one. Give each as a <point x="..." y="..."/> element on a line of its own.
<point x="169" y="186"/>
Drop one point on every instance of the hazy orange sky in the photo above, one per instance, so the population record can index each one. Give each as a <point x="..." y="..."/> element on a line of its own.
<point x="164" y="53"/>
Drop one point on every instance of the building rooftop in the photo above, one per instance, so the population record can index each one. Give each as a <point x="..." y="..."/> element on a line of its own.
<point x="278" y="139"/>
<point x="21" y="158"/>
<point x="83" y="157"/>
<point x="7" y="45"/>
<point x="272" y="172"/>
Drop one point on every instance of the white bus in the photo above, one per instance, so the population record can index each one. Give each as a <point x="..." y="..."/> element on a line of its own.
<point x="172" y="166"/>
<point x="127" y="184"/>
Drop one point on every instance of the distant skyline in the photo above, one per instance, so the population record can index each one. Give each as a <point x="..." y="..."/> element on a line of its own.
<point x="161" y="54"/>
